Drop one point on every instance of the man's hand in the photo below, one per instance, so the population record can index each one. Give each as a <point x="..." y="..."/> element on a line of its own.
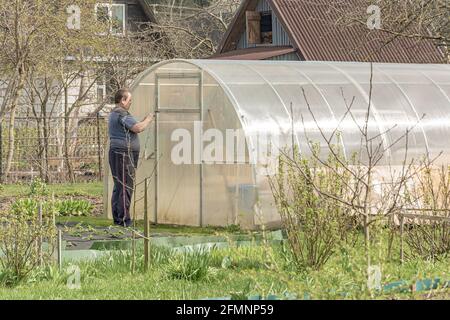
<point x="141" y="126"/>
<point x="149" y="117"/>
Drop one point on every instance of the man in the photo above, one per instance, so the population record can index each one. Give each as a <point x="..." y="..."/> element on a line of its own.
<point x="124" y="154"/>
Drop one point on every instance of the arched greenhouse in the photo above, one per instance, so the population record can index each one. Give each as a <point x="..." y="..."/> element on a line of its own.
<point x="208" y="154"/>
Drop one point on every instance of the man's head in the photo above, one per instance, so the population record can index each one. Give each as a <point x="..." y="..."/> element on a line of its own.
<point x="123" y="98"/>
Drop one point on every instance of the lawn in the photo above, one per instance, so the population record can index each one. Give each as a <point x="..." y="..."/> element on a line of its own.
<point x="94" y="189"/>
<point x="233" y="271"/>
<point x="250" y="271"/>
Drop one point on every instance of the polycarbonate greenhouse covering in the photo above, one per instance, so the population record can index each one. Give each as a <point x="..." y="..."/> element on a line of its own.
<point x="271" y="105"/>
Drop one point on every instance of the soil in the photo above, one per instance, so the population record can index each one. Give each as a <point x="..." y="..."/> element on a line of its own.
<point x="80" y="237"/>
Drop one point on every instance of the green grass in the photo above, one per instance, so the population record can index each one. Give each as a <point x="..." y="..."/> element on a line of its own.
<point x="230" y="272"/>
<point x="251" y="271"/>
<point x="153" y="285"/>
<point x="94" y="189"/>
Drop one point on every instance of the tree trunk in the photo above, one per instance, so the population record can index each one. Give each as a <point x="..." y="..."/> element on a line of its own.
<point x="40" y="135"/>
<point x="66" y="136"/>
<point x="45" y="145"/>
<point x="43" y="141"/>
<point x="11" y="143"/>
<point x="12" y="120"/>
<point x="11" y="87"/>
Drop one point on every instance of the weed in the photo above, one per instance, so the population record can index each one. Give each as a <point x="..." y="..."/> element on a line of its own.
<point x="192" y="266"/>
<point x="38" y="188"/>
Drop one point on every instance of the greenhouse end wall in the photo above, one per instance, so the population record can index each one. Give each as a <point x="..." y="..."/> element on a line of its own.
<point x="265" y="100"/>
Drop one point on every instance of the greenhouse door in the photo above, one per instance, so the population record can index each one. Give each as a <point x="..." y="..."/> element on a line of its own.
<point x="177" y="183"/>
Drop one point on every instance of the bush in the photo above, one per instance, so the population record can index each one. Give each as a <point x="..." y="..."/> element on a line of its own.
<point x="429" y="239"/>
<point x="20" y="236"/>
<point x="315" y="224"/>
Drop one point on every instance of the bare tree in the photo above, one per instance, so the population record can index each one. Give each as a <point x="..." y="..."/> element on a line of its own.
<point x="364" y="184"/>
<point x="414" y="19"/>
<point x="54" y="70"/>
<point x="194" y="31"/>
<point x="21" y="25"/>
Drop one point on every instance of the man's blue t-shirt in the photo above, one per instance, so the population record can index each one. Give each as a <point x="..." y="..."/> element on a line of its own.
<point x="120" y="135"/>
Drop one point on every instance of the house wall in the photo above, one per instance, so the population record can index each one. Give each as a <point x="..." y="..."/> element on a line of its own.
<point x="279" y="36"/>
<point x="134" y="13"/>
<point x="55" y="105"/>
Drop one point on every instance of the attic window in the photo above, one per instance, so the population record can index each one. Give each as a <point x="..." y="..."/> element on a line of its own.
<point x="266" y="27"/>
<point x="253" y="27"/>
<point x="259" y="27"/>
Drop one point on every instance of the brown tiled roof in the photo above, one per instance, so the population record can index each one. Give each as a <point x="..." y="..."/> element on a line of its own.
<point x="257" y="53"/>
<point x="313" y="31"/>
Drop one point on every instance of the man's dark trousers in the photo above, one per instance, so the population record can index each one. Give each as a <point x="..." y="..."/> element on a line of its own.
<point x="123" y="168"/>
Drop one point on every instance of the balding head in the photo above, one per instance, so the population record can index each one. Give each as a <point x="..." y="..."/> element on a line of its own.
<point x="123" y="98"/>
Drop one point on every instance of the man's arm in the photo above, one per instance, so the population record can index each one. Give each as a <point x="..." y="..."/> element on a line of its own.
<point x="141" y="126"/>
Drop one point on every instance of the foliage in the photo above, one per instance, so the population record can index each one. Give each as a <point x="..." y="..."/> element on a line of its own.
<point x="244" y="258"/>
<point x="343" y="277"/>
<point x="30" y="207"/>
<point x="21" y="234"/>
<point x="315" y="224"/>
<point x="38" y="188"/>
<point x="233" y="228"/>
<point x="430" y="239"/>
<point x="69" y="207"/>
<point x="72" y="207"/>
<point x="243" y="294"/>
<point x="61" y="189"/>
<point x="191" y="266"/>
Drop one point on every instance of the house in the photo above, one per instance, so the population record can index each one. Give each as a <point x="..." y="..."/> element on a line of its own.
<point x="128" y="14"/>
<point x="209" y="16"/>
<point x="308" y="30"/>
<point x="67" y="116"/>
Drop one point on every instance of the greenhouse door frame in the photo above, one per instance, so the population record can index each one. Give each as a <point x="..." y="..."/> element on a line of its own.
<point x="158" y="110"/>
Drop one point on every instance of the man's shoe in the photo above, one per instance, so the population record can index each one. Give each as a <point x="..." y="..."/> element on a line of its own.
<point x="128" y="224"/>
<point x="123" y="224"/>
